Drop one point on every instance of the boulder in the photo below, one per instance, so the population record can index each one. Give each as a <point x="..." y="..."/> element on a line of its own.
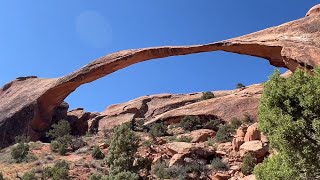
<point x="250" y="177"/>
<point x="241" y="131"/>
<point x="220" y="176"/>
<point x="200" y="135"/>
<point x="237" y="142"/>
<point x="78" y="119"/>
<point x="252" y="133"/>
<point x="27" y="103"/>
<point x="257" y="148"/>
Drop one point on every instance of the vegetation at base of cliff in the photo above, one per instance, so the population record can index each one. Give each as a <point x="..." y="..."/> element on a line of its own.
<point x="248" y="164"/>
<point x="190" y="123"/>
<point x="207" y="95"/>
<point x="59" y="171"/>
<point x="158" y="129"/>
<point x="60" y="132"/>
<point x="97" y="153"/>
<point x="289" y="114"/>
<point x="20" y="152"/>
<point x="121" y="155"/>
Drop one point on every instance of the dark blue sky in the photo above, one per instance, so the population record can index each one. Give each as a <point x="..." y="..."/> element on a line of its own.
<point x="53" y="38"/>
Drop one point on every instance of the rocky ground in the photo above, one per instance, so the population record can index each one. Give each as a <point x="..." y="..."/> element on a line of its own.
<point x="182" y="147"/>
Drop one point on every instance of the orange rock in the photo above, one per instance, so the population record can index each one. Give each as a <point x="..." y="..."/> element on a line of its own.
<point x="220" y="176"/>
<point x="252" y="133"/>
<point x="257" y="148"/>
<point x="237" y="142"/>
<point x="241" y="131"/>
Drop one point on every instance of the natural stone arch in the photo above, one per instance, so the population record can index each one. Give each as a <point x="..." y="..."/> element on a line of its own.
<point x="27" y="103"/>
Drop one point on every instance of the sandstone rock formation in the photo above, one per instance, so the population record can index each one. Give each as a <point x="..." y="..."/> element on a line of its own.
<point x="27" y="103"/>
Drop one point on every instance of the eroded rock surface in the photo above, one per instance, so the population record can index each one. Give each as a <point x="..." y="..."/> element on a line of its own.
<point x="27" y="103"/>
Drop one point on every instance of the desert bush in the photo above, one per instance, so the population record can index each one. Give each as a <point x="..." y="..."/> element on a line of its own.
<point x="97" y="176"/>
<point x="190" y="123"/>
<point x="224" y="134"/>
<point x="57" y="172"/>
<point x="289" y="116"/>
<point x="125" y="175"/>
<point x="248" y="119"/>
<point x="207" y="95"/>
<point x="158" y="129"/>
<point x="161" y="170"/>
<point x="213" y="124"/>
<point x="123" y="147"/>
<point x="77" y="143"/>
<point x="97" y="153"/>
<point x="61" y="129"/>
<point x="211" y="141"/>
<point x="61" y="134"/>
<point x="240" y="85"/>
<point x="184" y="139"/>
<point x="20" y="152"/>
<point x="147" y="143"/>
<point x="235" y="123"/>
<point x="248" y="164"/>
<point x="142" y="163"/>
<point x="29" y="176"/>
<point x="219" y="164"/>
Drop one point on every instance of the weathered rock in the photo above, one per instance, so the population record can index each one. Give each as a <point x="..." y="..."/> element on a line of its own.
<point x="257" y="148"/>
<point x="219" y="176"/>
<point x="315" y="10"/>
<point x="230" y="104"/>
<point x="200" y="135"/>
<point x="78" y="119"/>
<point x="252" y="133"/>
<point x="237" y="142"/>
<point x="27" y="103"/>
<point x="250" y="177"/>
<point x="241" y="131"/>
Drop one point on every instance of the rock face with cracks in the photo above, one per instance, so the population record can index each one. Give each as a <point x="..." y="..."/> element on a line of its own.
<point x="27" y="103"/>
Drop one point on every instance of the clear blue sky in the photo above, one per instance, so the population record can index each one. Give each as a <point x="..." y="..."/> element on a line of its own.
<point x="53" y="38"/>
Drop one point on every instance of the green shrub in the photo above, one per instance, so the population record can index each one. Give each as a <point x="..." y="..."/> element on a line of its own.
<point x="61" y="134"/>
<point x="77" y="143"/>
<point x="190" y="123"/>
<point x="61" y="129"/>
<point x="207" y="95"/>
<point x="248" y="119"/>
<point x="211" y="141"/>
<point x="218" y="164"/>
<point x="213" y="124"/>
<point x="240" y="85"/>
<point x="123" y="147"/>
<point x="224" y="134"/>
<point x="289" y="116"/>
<point x="29" y="176"/>
<point x="161" y="170"/>
<point x="97" y="153"/>
<point x="147" y="143"/>
<point x="57" y="172"/>
<point x="96" y="176"/>
<point x="158" y="130"/>
<point x="125" y="175"/>
<point x="248" y="164"/>
<point x="276" y="168"/>
<point x="99" y="177"/>
<point x="184" y="139"/>
<point x="235" y="123"/>
<point x="20" y="152"/>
